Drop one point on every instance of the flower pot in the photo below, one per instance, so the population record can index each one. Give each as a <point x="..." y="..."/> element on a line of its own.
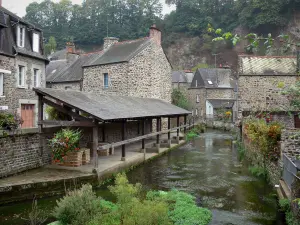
<point x="72" y="159"/>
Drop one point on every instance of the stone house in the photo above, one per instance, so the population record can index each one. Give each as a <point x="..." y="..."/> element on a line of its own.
<point x="137" y="68"/>
<point x="22" y="66"/>
<point x="210" y="91"/>
<point x="261" y="82"/>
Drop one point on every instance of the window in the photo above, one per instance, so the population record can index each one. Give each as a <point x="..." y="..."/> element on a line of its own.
<point x="198" y="99"/>
<point x="1" y="84"/>
<point x="196" y="83"/>
<point x="36" y="78"/>
<point x="21" y="37"/>
<point x="36" y="42"/>
<point x="209" y="82"/>
<point x="21" y="76"/>
<point x="106" y="81"/>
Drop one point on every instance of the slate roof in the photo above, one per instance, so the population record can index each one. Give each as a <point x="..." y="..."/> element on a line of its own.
<point x="8" y="44"/>
<point x="58" y="55"/>
<point x="218" y="78"/>
<point x="61" y="71"/>
<point x="106" y="107"/>
<point x="178" y="77"/>
<point x="222" y="103"/>
<point x="267" y="65"/>
<point x="120" y="52"/>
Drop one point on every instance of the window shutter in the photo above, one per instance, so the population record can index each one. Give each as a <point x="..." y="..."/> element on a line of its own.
<point x="1" y="84"/>
<point x="35" y="42"/>
<point x="18" y="37"/>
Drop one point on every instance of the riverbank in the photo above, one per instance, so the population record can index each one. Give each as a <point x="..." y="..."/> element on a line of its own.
<point x="54" y="180"/>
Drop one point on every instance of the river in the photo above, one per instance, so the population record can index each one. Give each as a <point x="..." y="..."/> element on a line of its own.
<point x="207" y="167"/>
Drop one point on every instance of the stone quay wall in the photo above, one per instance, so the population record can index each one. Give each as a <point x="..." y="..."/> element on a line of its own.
<point x="290" y="142"/>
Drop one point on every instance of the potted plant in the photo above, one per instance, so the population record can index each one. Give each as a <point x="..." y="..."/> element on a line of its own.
<point x="9" y="121"/>
<point x="65" y="148"/>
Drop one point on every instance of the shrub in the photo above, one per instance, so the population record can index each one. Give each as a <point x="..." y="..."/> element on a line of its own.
<point x="284" y="205"/>
<point x="77" y="207"/>
<point x="258" y="171"/>
<point x="9" y="121"/>
<point x="182" y="207"/>
<point x="64" y="141"/>
<point x="191" y="135"/>
<point x="179" y="99"/>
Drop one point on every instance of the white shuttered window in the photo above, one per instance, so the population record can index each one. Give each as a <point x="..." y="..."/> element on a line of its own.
<point x="21" y="37"/>
<point x="1" y="84"/>
<point x="35" y="42"/>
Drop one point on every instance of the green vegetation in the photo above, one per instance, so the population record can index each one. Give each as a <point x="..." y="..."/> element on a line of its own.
<point x="195" y="132"/>
<point x="179" y="99"/>
<point x="131" y="207"/>
<point x="54" y="114"/>
<point x="265" y="136"/>
<point x="285" y="206"/>
<point x="241" y="150"/>
<point x="9" y="121"/>
<point x="50" y="47"/>
<point x="64" y="141"/>
<point x="258" y="171"/>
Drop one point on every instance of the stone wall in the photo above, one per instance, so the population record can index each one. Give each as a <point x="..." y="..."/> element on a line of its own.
<point x="253" y="154"/>
<point x="223" y="93"/>
<point x="22" y="152"/>
<point x="287" y="120"/>
<point x="258" y="93"/>
<point x="201" y="105"/>
<point x="74" y="86"/>
<point x="13" y="95"/>
<point x="290" y="142"/>
<point x="147" y="75"/>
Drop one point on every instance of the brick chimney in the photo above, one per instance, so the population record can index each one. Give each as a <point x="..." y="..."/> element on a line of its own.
<point x="72" y="55"/>
<point x="70" y="46"/>
<point x="109" y="41"/>
<point x="155" y="34"/>
<point x="0" y="3"/>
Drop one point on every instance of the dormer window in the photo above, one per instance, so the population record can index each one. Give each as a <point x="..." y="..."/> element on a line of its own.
<point x="36" y="42"/>
<point x="209" y="82"/>
<point x="21" y="37"/>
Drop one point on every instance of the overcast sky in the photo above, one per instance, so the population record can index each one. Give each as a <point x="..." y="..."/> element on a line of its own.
<point x="19" y="6"/>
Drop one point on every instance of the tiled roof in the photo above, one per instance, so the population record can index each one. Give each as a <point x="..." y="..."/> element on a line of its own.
<point x="120" y="52"/>
<point x="212" y="78"/>
<point x="267" y="65"/>
<point x="108" y="107"/>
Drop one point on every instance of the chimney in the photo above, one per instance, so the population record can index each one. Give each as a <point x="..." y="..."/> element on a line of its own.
<point x="70" y="47"/>
<point x="71" y="55"/>
<point x="155" y="34"/>
<point x="0" y="3"/>
<point x="109" y="41"/>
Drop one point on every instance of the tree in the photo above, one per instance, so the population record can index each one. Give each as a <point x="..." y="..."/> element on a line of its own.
<point x="50" y="47"/>
<point x="179" y="99"/>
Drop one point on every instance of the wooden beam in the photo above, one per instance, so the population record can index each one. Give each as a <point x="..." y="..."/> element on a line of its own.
<point x="40" y="112"/>
<point x="151" y="125"/>
<point x="67" y="123"/>
<point x="132" y="140"/>
<point x="63" y="110"/>
<point x="95" y="145"/>
<point x="123" y="139"/>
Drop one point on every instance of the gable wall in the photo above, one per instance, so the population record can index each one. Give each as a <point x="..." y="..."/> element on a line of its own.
<point x="74" y="86"/>
<point x="262" y="92"/>
<point x="216" y="93"/>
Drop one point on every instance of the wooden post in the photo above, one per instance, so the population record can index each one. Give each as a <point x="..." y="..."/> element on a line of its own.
<point x="123" y="139"/>
<point x="157" y="129"/>
<point x="103" y="132"/>
<point x="40" y="112"/>
<point x="169" y="127"/>
<point x="95" y="144"/>
<point x="178" y="126"/>
<point x="185" y="117"/>
<point x="151" y="125"/>
<point x="138" y="127"/>
<point x="143" y="133"/>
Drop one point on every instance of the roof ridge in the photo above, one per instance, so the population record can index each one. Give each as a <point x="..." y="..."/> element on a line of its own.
<point x="267" y="56"/>
<point x="127" y="41"/>
<point x="89" y="53"/>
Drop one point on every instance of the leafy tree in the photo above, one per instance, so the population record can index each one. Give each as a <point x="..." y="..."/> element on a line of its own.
<point x="179" y="99"/>
<point x="50" y="47"/>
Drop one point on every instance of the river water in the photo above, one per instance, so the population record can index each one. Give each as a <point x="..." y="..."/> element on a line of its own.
<point x="208" y="168"/>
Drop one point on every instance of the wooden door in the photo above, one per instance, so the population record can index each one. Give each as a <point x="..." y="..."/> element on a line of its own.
<point x="297" y="121"/>
<point x="27" y="114"/>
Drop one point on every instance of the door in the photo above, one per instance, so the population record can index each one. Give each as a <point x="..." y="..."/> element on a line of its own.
<point x="297" y="121"/>
<point x="27" y="114"/>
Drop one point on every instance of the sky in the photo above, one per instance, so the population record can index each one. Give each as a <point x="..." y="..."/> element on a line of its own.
<point x="19" y="6"/>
